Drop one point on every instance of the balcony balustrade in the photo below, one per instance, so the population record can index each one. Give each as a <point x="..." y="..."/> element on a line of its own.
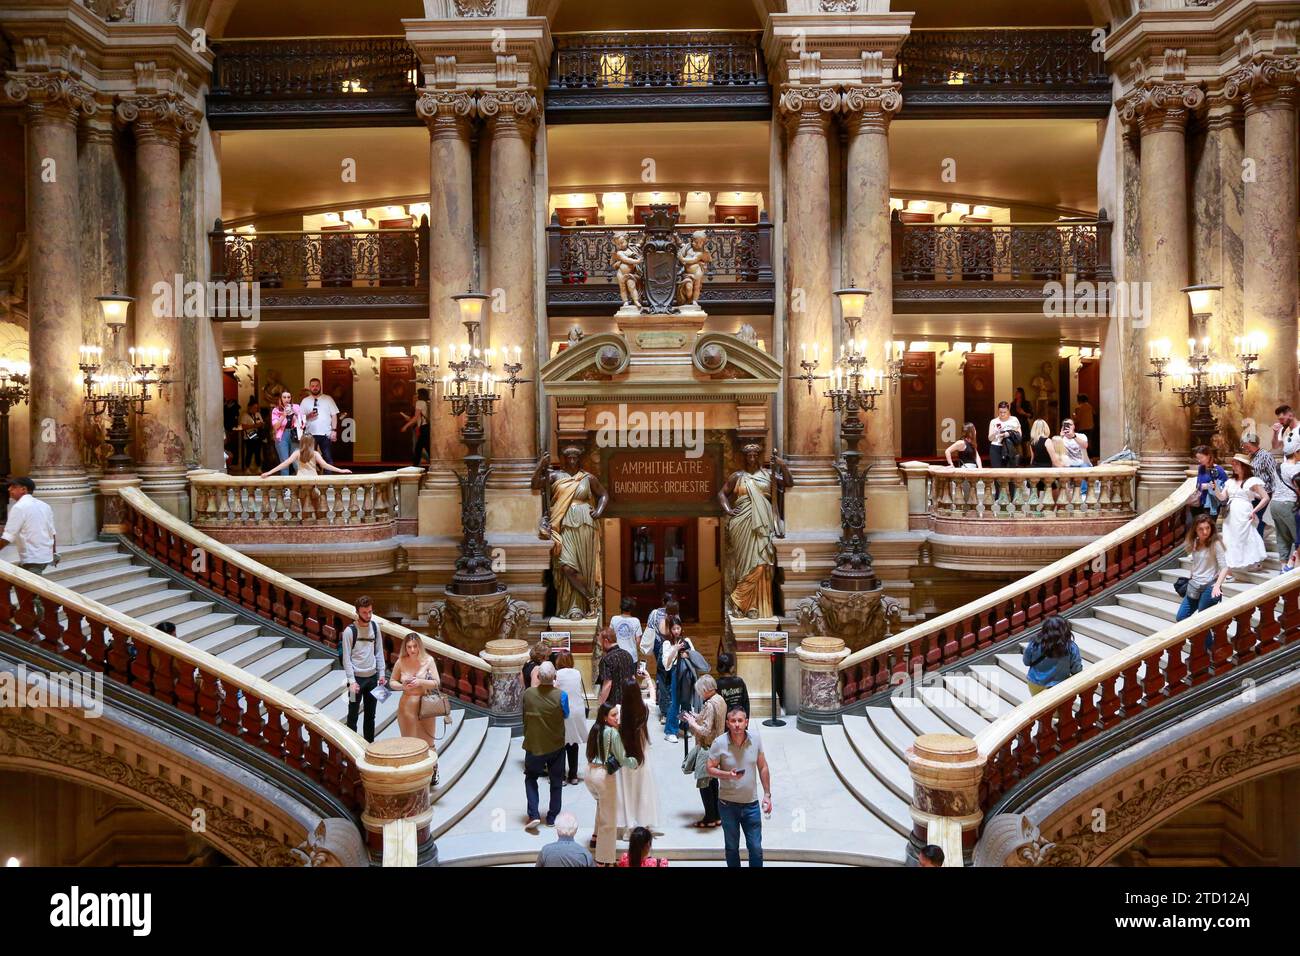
<point x="965" y="262"/>
<point x="700" y="74"/>
<point x="580" y="277"/>
<point x="1004" y="71"/>
<point x="312" y="81"/>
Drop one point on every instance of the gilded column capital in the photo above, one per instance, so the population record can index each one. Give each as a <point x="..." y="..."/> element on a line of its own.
<point x="445" y="112"/>
<point x="870" y="108"/>
<point x="163" y="117"/>
<point x="509" y="112"/>
<point x="808" y="107"/>
<point x="53" y="96"/>
<point x="1156" y="105"/>
<point x="1266" y="82"/>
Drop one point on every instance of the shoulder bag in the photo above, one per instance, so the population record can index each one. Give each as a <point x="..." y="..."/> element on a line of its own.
<point x="434" y="703"/>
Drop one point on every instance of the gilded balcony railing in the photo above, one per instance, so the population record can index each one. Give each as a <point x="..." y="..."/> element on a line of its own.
<point x="282" y="259"/>
<point x="676" y="58"/>
<point x="1046" y="58"/>
<point x="1001" y="252"/>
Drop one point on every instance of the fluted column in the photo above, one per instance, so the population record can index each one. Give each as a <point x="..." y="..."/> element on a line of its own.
<point x="53" y="101"/>
<point x="448" y="114"/>
<point x="158" y="121"/>
<point x="1160" y="109"/>
<point x="1267" y="88"/>
<point x="512" y="117"/>
<point x="810" y="425"/>
<point x="867" y="256"/>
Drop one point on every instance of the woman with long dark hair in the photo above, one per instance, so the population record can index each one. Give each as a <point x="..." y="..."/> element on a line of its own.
<point x="603" y="743"/>
<point x="966" y="448"/>
<point x="638" y="799"/>
<point x="638" y="850"/>
<point x="1052" y="656"/>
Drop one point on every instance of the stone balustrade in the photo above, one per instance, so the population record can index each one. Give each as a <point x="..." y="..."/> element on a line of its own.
<point x="1028" y="501"/>
<point x="302" y="510"/>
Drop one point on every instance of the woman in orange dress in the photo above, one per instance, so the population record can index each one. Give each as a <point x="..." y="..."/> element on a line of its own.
<point x="415" y="674"/>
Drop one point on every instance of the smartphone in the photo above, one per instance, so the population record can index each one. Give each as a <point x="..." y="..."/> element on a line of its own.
<point x="740" y="771"/>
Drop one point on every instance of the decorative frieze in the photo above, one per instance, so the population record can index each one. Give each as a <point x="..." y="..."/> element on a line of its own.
<point x="476" y="8"/>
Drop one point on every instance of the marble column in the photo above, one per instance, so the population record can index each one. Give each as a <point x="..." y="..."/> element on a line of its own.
<point x="53" y="101"/>
<point x="512" y="117"/>
<point x="158" y="121"/>
<point x="1267" y="88"/>
<point x="448" y="114"/>
<point x="506" y="657"/>
<point x="869" y="264"/>
<point x="946" y="772"/>
<point x="396" y="774"/>
<point x="810" y="425"/>
<point x="1161" y="110"/>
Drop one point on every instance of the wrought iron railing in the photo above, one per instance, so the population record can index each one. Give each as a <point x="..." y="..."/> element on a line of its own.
<point x="1050" y="58"/>
<point x="314" y="67"/>
<point x="990" y="252"/>
<point x="365" y="257"/>
<point x="683" y="58"/>
<point x="581" y="254"/>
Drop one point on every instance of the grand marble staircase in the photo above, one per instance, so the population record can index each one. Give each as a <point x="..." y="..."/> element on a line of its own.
<point x="867" y="749"/>
<point x="471" y="752"/>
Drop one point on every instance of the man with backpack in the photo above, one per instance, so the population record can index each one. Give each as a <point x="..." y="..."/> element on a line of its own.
<point x="362" y="647"/>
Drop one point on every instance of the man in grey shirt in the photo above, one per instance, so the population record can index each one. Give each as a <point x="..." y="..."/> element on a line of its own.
<point x="363" y="663"/>
<point x="565" y="851"/>
<point x="736" y="759"/>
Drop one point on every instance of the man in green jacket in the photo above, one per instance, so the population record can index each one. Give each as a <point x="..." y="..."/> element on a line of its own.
<point x="544" y="711"/>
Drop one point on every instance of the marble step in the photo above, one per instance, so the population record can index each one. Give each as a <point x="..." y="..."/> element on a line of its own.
<point x="1151" y="606"/>
<point x="120" y="592"/>
<point x="1132" y="619"/>
<point x="1106" y="632"/>
<point x="458" y="757"/>
<point x="879" y="757"/>
<point x="985" y="701"/>
<point x="891" y="729"/>
<point x="272" y="665"/>
<point x="465" y="794"/>
<point x="215" y="642"/>
<point x="302" y="674"/>
<point x="961" y="718"/>
<point x="177" y="613"/>
<point x="90" y="566"/>
<point x="865" y="785"/>
<point x="250" y="651"/>
<point x="916" y="714"/>
<point x="96" y="586"/>
<point x="1012" y="689"/>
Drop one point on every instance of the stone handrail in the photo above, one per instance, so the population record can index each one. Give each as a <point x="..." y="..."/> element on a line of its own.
<point x="247" y="508"/>
<point x="1142" y="676"/>
<point x="1105" y="491"/>
<point x="288" y="603"/>
<point x="100" y="639"/>
<point x="1020" y="605"/>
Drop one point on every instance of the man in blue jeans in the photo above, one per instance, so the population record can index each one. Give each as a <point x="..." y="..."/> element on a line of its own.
<point x="737" y="760"/>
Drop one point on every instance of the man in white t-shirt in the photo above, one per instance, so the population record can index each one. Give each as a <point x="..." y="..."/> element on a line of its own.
<point x="322" y="416"/>
<point x="30" y="526"/>
<point x="627" y="627"/>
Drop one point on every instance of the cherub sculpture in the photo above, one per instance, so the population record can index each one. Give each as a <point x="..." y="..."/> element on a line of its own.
<point x="627" y="264"/>
<point x="694" y="259"/>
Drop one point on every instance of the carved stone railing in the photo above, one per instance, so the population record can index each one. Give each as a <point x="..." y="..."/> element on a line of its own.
<point x="579" y="271"/>
<point x="1012" y="252"/>
<point x="298" y="510"/>
<point x="999" y="70"/>
<point x="1037" y="501"/>
<point x="599" y="74"/>
<point x="297" y="81"/>
<point x="97" y="638"/>
<point x="280" y="599"/>
<point x="368" y="258"/>
<point x="1131" y="682"/>
<point x="1018" y="607"/>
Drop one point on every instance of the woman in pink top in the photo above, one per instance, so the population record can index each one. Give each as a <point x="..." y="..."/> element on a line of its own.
<point x="284" y="419"/>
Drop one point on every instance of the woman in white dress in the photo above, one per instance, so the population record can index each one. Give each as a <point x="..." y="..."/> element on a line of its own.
<point x="638" y="797"/>
<point x="569" y="679"/>
<point x="1247" y="499"/>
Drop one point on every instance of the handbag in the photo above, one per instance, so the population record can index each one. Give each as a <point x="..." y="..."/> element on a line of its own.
<point x="1181" y="586"/>
<point x="434" y="704"/>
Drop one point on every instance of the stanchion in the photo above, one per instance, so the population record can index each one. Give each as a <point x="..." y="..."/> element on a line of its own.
<point x="774" y="720"/>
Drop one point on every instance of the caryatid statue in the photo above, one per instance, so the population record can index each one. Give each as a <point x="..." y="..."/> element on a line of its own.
<point x="751" y="501"/>
<point x="626" y="264"/>
<point x="573" y="502"/>
<point x="694" y="259"/>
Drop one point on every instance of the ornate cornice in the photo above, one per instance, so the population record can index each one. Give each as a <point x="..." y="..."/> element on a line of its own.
<point x="870" y="107"/>
<point x="445" y="112"/>
<point x="808" y="107"/>
<point x="509" y="110"/>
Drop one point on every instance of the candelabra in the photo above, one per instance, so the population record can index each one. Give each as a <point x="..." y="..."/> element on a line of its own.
<point x="1248" y="348"/>
<point x="470" y="389"/>
<point x="809" y="365"/>
<point x="894" y="363"/>
<point x="15" y="388"/>
<point x="1206" y="386"/>
<point x="118" y="386"/>
<point x="854" y="388"/>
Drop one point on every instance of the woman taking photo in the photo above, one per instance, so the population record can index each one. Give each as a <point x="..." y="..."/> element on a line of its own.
<point x="1052" y="656"/>
<point x="284" y="422"/>
<point x="605" y="750"/>
<point x="638" y="797"/>
<point x="1209" y="567"/>
<point x="965" y="448"/>
<point x="1210" y="478"/>
<point x="415" y="674"/>
<point x="707" y="726"/>
<point x="1247" y="499"/>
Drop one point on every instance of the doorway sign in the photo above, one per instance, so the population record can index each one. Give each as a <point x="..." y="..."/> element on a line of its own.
<point x="646" y="482"/>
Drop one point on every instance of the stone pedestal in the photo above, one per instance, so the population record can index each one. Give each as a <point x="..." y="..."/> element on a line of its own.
<point x="581" y="630"/>
<point x="472" y="621"/>
<point x="746" y="628"/>
<point x="946" y="772"/>
<point x="117" y="518"/>
<point x="408" y="498"/>
<point x="396" y="774"/>
<point x="661" y="339"/>
<point x="858" y="618"/>
<point x="507" y="659"/>
<point x="819" y="681"/>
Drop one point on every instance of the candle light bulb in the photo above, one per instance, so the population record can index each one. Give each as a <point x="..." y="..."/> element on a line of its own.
<point x="817" y="351"/>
